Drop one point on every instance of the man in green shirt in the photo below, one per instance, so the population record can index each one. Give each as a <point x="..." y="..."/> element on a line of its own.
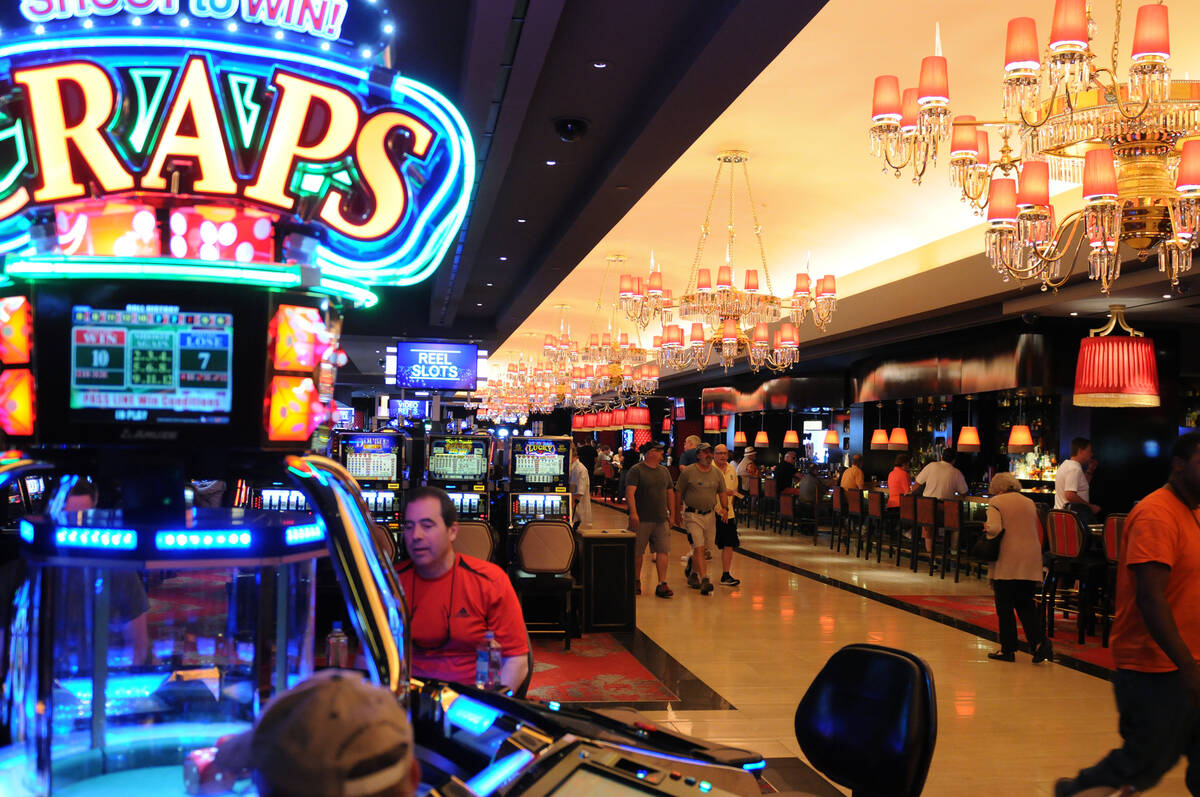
<point x="700" y="492"/>
<point x="651" y="499"/>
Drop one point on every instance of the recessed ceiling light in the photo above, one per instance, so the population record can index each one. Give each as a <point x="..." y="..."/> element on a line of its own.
<point x="503" y="258"/>
<point x="520" y="221"/>
<point x="600" y="64"/>
<point x="489" y="284"/>
<point x="479" y="304"/>
<point x="1074" y="313"/>
<point x="551" y="163"/>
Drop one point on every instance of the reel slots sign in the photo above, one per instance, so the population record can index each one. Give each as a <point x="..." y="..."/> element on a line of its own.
<point x="238" y="140"/>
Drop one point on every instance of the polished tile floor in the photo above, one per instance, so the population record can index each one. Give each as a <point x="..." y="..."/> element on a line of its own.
<point x="1004" y="729"/>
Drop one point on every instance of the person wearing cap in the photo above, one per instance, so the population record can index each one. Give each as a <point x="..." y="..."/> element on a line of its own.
<point x="333" y="735"/>
<point x="699" y="493"/>
<point x="651" y="497"/>
<point x="749" y="464"/>
<point x="727" y="536"/>
<point x="456" y="599"/>
<point x="688" y="457"/>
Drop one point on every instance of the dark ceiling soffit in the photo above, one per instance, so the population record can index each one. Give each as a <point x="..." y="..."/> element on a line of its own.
<point x="731" y="51"/>
<point x="500" y="99"/>
<point x="1004" y="363"/>
<point x="785" y="393"/>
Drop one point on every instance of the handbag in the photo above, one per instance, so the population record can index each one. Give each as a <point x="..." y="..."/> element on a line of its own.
<point x="987" y="549"/>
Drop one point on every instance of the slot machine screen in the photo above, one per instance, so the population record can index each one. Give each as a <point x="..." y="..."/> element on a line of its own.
<point x="539" y="464"/>
<point x="371" y="457"/>
<point x="456" y="461"/>
<point x="151" y="364"/>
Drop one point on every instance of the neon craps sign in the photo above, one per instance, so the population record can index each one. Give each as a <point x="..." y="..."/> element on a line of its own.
<point x="278" y="109"/>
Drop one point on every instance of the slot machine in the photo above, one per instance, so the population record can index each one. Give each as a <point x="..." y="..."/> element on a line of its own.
<point x="376" y="461"/>
<point x="538" y="479"/>
<point x="459" y="465"/>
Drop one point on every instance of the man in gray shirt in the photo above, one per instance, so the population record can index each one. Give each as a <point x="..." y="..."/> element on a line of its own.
<point x="651" y="499"/>
<point x="699" y="490"/>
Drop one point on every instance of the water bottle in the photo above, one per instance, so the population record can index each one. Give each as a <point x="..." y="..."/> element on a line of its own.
<point x="487" y="662"/>
<point x="337" y="647"/>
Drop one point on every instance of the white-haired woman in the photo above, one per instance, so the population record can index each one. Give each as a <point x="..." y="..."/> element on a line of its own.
<point x="1015" y="576"/>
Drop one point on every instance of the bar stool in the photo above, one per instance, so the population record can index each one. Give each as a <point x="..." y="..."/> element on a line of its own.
<point x="952" y="535"/>
<point x="1065" y="534"/>
<point x="755" y="496"/>
<point x="1114" y="526"/>
<point x="768" y="505"/>
<point x="908" y="522"/>
<point x="854" y="520"/>
<point x="786" y="519"/>
<point x="838" y="520"/>
<point x="877" y="522"/>
<point x="927" y="518"/>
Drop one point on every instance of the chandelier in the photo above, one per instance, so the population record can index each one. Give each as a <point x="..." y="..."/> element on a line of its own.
<point x="777" y="353"/>
<point x="1075" y="121"/>
<point x="642" y="301"/>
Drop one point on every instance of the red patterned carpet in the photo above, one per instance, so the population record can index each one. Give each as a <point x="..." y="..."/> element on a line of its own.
<point x="981" y="610"/>
<point x="596" y="669"/>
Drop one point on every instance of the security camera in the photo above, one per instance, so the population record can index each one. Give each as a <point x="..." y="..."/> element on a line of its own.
<point x="570" y="129"/>
<point x="1030" y="318"/>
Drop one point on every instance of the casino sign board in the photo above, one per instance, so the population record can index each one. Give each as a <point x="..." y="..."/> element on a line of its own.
<point x="239" y="140"/>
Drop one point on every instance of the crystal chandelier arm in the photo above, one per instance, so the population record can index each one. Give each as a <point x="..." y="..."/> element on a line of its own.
<point x="762" y="252"/>
<point x="912" y="150"/>
<point x="1062" y="239"/>
<point x="1034" y="125"/>
<point x="1112" y="90"/>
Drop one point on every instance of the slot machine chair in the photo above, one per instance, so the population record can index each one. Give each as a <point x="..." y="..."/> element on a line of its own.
<point x="545" y="554"/>
<point x="475" y="538"/>
<point x="868" y="721"/>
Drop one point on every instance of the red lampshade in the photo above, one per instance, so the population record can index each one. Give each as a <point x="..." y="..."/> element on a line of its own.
<point x="1002" y="200"/>
<point x="984" y="156"/>
<point x="761" y="439"/>
<point x="704" y="280"/>
<point x="832" y="439"/>
<point x="968" y="439"/>
<point x="651" y="370"/>
<point x="656" y="342"/>
<point x="639" y="418"/>
<point x="1099" y="175"/>
<point x="606" y="340"/>
<point x="697" y="338"/>
<point x="791" y="439"/>
<point x="885" y="103"/>
<point x="638" y="289"/>
<point x="712" y="424"/>
<point x="604" y="420"/>
<point x="879" y="440"/>
<point x="618" y="419"/>
<point x="655" y="283"/>
<point x="908" y="111"/>
<point x="761" y="334"/>
<point x="1116" y="371"/>
<point x="1020" y="440"/>
<point x="964" y="141"/>
<point x="1021" y="46"/>
<point x="898" y="440"/>
<point x="550" y="343"/>
<point x="1151" y="36"/>
<point x="1188" y="178"/>
<point x="625" y="285"/>
<point x="593" y="341"/>
<point x="724" y="278"/>
<point x="739" y="438"/>
<point x="729" y="331"/>
<point x="752" y="280"/>
<point x="624" y="340"/>
<point x="803" y="283"/>
<point x="789" y="336"/>
<point x="1069" y="29"/>
<point x="1034" y="187"/>
<point x="666" y="426"/>
<point x="934" y="85"/>
<point x="827" y="287"/>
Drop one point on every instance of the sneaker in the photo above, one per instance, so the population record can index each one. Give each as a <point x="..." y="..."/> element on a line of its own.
<point x="687" y="568"/>
<point x="694" y="580"/>
<point x="1001" y="655"/>
<point x="1044" y="652"/>
<point x="729" y="580"/>
<point x="663" y="591"/>
<point x="706" y="587"/>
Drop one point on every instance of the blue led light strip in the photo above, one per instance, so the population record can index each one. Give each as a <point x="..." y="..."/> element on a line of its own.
<point x="114" y="539"/>
<point x="187" y="539"/>
<point x="754" y="765"/>
<point x="471" y="715"/>
<point x="298" y="535"/>
<point x="26" y="530"/>
<point x="499" y="773"/>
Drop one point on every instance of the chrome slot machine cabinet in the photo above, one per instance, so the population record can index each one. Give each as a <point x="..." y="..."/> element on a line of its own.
<point x="459" y="465"/>
<point x="538" y="479"/>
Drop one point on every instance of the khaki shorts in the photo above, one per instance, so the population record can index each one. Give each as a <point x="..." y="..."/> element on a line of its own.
<point x="702" y="528"/>
<point x="657" y="535"/>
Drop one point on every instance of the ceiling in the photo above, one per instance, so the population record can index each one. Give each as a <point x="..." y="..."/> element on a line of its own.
<point x="903" y="254"/>
<point x="647" y="78"/>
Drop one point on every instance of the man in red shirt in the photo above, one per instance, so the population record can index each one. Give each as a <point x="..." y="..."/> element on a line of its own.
<point x="1156" y="636"/>
<point x="455" y="599"/>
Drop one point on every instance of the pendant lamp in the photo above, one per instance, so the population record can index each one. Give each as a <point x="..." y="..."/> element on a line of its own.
<point x="1020" y="440"/>
<point x="968" y="436"/>
<point x="1115" y="370"/>
<point x="761" y="439"/>
<point x="879" y="438"/>
<point x="833" y="439"/>
<point x="739" y="438"/>
<point x="898" y="439"/>
<point x="712" y="424"/>
<point x="791" y="439"/>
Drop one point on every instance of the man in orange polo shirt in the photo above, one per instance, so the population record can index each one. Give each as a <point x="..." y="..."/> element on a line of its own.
<point x="1156" y="636"/>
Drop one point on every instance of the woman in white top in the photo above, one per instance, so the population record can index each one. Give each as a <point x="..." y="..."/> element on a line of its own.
<point x="1016" y="575"/>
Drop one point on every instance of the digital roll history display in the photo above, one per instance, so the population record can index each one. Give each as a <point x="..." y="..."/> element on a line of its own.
<point x="539" y="464"/>
<point x="151" y="364"/>
<point x="458" y="460"/>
